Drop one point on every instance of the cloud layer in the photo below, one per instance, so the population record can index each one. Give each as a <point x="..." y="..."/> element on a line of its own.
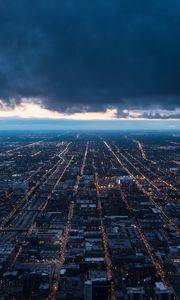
<point x="90" y="55"/>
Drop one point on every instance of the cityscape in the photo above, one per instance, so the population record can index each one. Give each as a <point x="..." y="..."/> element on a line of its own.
<point x="89" y="150"/>
<point x="90" y="215"/>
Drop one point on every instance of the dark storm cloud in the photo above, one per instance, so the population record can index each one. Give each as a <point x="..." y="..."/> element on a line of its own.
<point x="89" y="55"/>
<point x="151" y="115"/>
<point x="156" y="115"/>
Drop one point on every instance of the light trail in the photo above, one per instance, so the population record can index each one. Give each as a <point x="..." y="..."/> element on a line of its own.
<point x="34" y="173"/>
<point x="84" y="160"/>
<point x="141" y="149"/>
<point x="107" y="256"/>
<point x="56" y="183"/>
<point x="39" y="169"/>
<point x="176" y="162"/>
<point x="148" y="180"/>
<point x="150" y="251"/>
<point x="31" y="228"/>
<point x="155" y="260"/>
<point x="24" y="221"/>
<point x="142" y="175"/>
<point x="25" y="146"/>
<point x="36" y="153"/>
<point x="153" y="173"/>
<point x="60" y="261"/>
<point x="30" y="192"/>
<point x="139" y="185"/>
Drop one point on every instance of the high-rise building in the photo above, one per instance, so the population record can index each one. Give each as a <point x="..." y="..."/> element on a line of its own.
<point x="163" y="293"/>
<point x="135" y="293"/>
<point x="96" y="289"/>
